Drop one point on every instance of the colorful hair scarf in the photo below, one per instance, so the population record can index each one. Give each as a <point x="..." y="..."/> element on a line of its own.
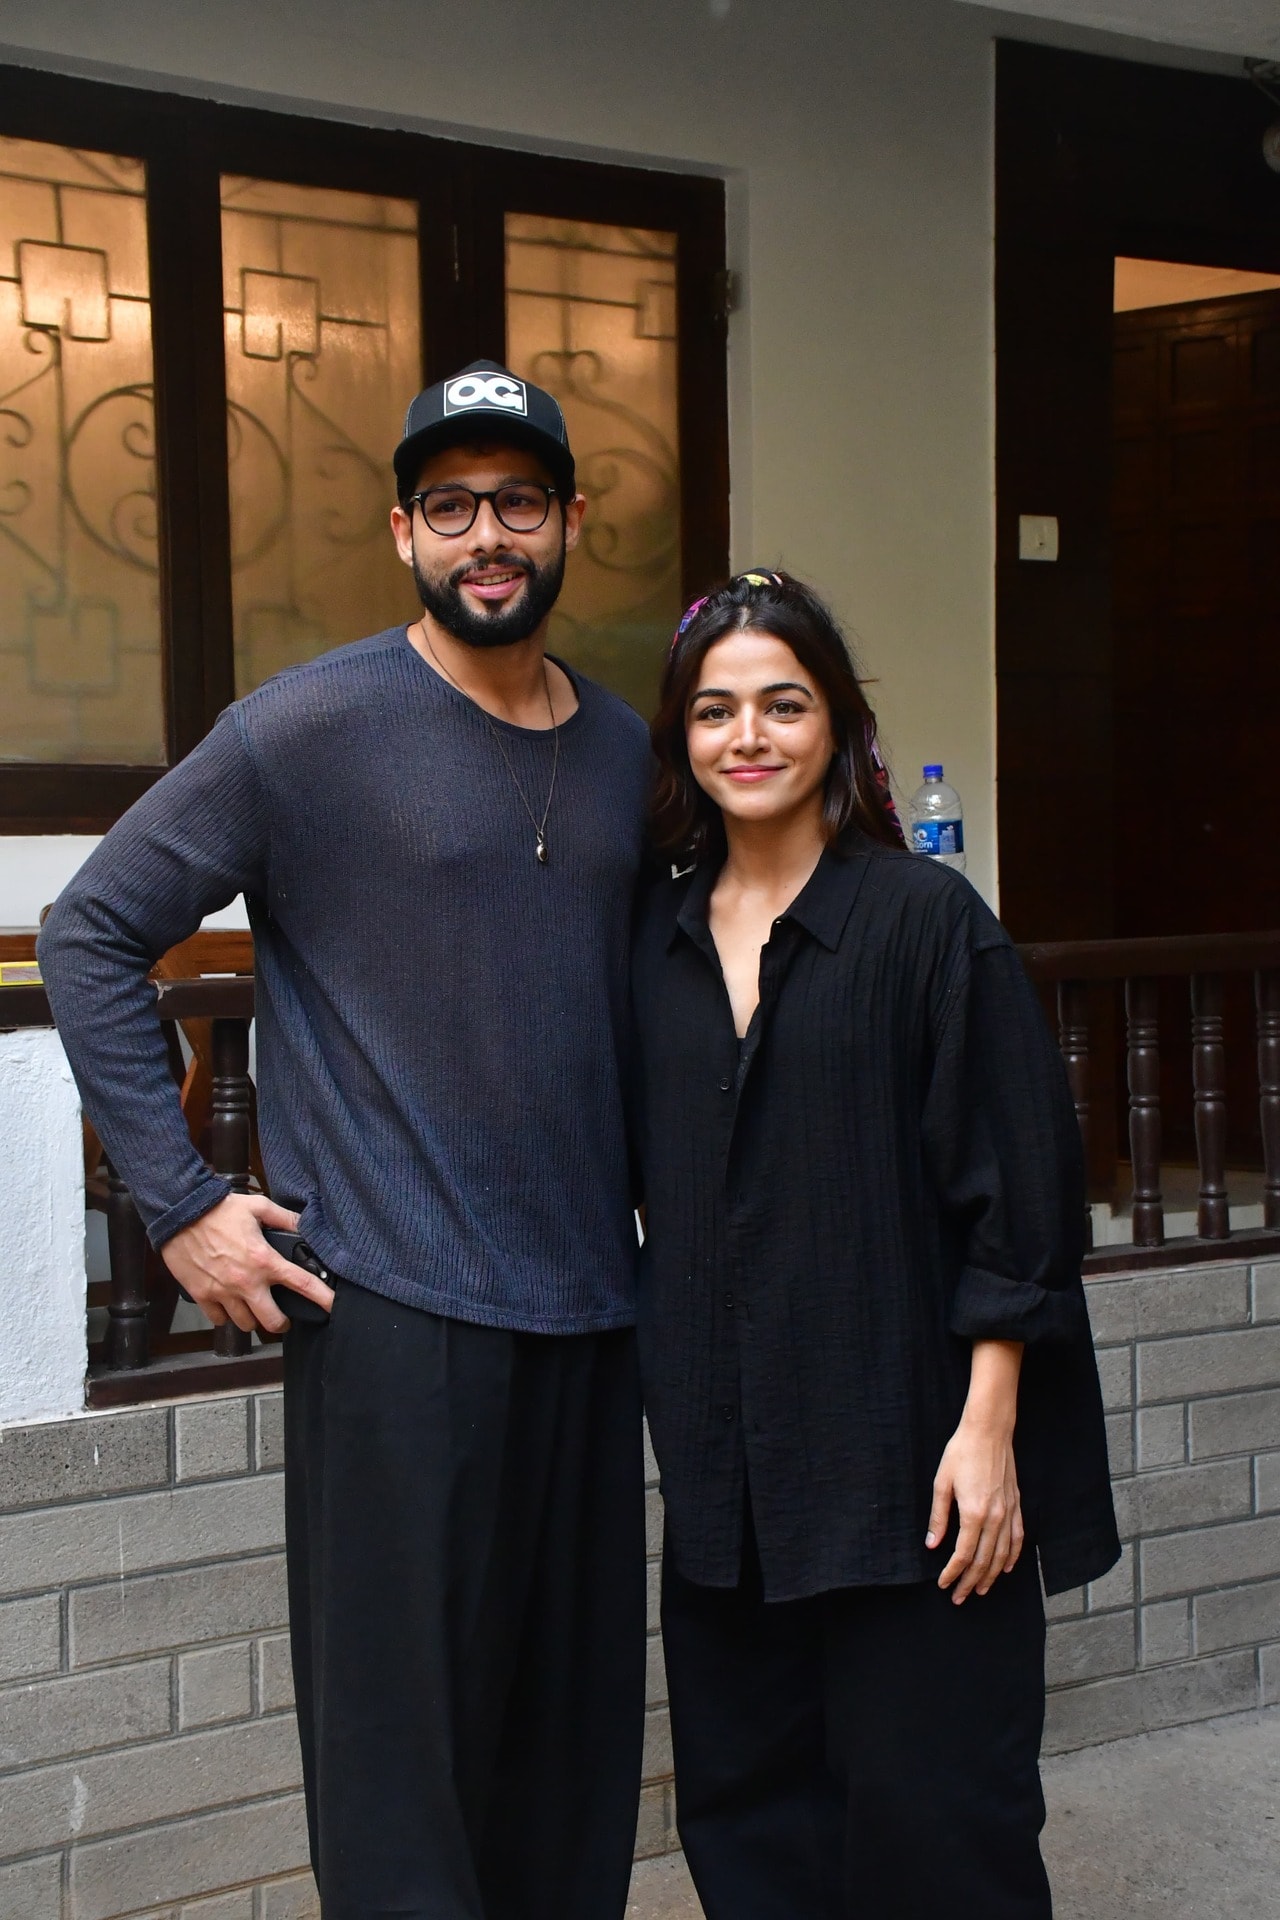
<point x="884" y="792"/>
<point x="757" y="577"/>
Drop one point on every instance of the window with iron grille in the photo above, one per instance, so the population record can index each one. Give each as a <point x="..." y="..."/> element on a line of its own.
<point x="211" y="319"/>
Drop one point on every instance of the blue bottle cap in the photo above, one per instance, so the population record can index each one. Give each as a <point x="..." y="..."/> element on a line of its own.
<point x="933" y="773"/>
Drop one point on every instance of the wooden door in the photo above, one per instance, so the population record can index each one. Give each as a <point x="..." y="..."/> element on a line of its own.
<point x="1196" y="653"/>
<point x="1196" y="615"/>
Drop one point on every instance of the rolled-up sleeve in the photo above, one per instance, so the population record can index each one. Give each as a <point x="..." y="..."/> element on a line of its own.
<point x="1004" y="1146"/>
<point x="190" y="845"/>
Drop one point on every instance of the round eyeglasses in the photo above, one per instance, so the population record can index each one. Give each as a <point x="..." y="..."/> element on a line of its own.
<point x="521" y="507"/>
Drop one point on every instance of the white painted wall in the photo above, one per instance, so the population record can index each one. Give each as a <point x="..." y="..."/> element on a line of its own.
<point x="857" y="142"/>
<point x="35" y="867"/>
<point x="42" y="1277"/>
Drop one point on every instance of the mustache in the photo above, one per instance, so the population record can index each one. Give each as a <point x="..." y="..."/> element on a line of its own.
<point x="513" y="563"/>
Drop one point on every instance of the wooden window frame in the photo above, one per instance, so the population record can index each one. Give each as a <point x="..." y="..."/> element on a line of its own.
<point x="463" y="192"/>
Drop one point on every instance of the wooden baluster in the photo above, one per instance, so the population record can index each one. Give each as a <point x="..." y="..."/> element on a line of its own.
<point x="1266" y="988"/>
<point x="1073" y="1044"/>
<point x="229" y="1136"/>
<point x="1209" y="1079"/>
<point x="127" y="1337"/>
<point x="1142" y="1009"/>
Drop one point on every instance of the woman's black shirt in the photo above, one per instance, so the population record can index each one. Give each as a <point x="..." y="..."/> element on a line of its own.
<point x="885" y="1170"/>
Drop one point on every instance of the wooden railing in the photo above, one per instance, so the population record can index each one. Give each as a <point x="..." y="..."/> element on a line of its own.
<point x="1206" y="962"/>
<point x="140" y="1356"/>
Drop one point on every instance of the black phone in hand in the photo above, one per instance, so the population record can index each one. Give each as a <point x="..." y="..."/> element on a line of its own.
<point x="292" y="1247"/>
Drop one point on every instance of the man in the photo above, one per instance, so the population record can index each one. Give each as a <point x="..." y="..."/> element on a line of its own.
<point x="437" y="832"/>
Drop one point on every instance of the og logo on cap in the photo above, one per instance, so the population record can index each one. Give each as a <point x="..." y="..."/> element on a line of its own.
<point x="480" y="390"/>
<point x="487" y="395"/>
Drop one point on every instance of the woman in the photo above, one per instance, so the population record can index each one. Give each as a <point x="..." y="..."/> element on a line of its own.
<point x="867" y="1360"/>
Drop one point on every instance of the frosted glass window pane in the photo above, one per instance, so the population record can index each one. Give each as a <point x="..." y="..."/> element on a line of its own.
<point x="80" y="667"/>
<point x="324" y="352"/>
<point x="591" y="316"/>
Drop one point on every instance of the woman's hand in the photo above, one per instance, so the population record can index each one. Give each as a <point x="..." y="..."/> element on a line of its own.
<point x="978" y="1472"/>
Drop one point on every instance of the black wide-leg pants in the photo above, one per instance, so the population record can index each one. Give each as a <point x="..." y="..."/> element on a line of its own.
<point x="870" y="1754"/>
<point x="466" y="1582"/>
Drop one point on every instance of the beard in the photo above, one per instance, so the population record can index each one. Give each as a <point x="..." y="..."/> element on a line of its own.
<point x="506" y="626"/>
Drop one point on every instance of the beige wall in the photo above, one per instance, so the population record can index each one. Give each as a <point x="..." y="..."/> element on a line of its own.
<point x="857" y="142"/>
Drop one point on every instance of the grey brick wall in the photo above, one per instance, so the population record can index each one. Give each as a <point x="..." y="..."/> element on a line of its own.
<point x="148" y="1756"/>
<point x="148" y="1753"/>
<point x="1188" y="1625"/>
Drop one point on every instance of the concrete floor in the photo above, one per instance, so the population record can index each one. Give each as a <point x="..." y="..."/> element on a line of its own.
<point x="1184" y="1824"/>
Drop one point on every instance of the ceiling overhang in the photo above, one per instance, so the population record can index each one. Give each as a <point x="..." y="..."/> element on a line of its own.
<point x="1247" y="28"/>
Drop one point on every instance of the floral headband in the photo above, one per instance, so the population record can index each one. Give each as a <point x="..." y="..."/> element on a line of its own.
<point x="758" y="577"/>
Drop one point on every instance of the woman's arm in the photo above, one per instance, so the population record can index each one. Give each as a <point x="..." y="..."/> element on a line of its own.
<point x="977" y="1471"/>
<point x="1003" y="1146"/>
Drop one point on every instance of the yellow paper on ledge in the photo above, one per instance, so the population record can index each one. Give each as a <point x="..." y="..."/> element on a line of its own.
<point x="19" y="973"/>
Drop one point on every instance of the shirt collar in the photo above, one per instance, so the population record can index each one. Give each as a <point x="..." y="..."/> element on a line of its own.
<point x="821" y="907"/>
<point x="691" y="918"/>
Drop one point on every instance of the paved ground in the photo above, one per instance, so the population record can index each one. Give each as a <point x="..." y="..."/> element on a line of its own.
<point x="1184" y="1824"/>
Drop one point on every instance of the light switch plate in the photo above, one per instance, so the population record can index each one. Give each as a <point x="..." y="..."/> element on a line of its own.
<point x="1037" y="536"/>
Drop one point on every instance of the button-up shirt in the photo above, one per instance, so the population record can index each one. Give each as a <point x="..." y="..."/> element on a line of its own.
<point x="885" y="1170"/>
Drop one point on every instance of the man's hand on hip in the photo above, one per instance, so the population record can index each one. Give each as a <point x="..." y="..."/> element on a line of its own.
<point x="229" y="1269"/>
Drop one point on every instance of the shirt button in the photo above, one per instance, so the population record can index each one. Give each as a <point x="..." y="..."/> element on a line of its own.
<point x="728" y="1301"/>
<point x="727" y="1412"/>
<point x="725" y="1085"/>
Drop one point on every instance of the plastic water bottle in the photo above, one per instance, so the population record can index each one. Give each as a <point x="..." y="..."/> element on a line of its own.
<point x="937" y="821"/>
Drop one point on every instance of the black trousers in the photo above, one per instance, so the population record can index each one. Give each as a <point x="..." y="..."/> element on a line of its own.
<point x="466" y="1580"/>
<point x="863" y="1755"/>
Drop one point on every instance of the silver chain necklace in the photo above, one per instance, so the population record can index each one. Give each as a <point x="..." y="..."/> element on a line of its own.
<point x="539" y="826"/>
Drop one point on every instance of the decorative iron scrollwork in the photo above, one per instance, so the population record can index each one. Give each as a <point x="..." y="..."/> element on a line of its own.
<point x="591" y="309"/>
<point x="79" y="613"/>
<point x="327" y="288"/>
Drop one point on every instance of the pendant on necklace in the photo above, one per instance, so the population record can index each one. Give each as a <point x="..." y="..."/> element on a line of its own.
<point x="542" y="850"/>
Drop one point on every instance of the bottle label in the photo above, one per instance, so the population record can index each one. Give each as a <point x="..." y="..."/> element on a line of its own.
<point x="938" y="836"/>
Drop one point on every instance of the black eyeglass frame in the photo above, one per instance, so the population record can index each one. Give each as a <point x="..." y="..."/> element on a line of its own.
<point x="478" y="500"/>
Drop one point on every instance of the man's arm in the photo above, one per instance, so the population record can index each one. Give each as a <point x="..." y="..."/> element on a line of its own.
<point x="194" y="841"/>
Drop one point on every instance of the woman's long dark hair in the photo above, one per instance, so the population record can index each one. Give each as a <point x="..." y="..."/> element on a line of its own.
<point x="684" y="820"/>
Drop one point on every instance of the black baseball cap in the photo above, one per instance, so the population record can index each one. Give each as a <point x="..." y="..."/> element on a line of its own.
<point x="491" y="398"/>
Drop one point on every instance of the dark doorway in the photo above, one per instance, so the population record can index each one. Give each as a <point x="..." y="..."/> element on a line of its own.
<point x="1097" y="159"/>
<point x="1137" y="673"/>
<point x="1196" y="634"/>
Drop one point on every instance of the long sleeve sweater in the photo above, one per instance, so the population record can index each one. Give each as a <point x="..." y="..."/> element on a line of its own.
<point x="440" y="1018"/>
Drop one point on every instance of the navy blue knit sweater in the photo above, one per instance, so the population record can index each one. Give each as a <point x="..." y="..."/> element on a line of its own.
<point x="440" y="1019"/>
